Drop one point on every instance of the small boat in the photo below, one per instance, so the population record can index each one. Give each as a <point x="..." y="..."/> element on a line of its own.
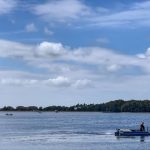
<point x="131" y="132"/>
<point x="9" y="114"/>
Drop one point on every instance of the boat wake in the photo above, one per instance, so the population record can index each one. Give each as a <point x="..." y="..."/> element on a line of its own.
<point x="62" y="136"/>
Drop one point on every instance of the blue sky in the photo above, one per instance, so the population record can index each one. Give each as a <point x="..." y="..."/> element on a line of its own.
<point x="64" y="52"/>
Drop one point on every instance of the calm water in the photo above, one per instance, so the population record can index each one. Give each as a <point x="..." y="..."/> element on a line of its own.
<point x="70" y="131"/>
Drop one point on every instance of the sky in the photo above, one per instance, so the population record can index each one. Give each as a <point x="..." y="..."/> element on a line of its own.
<point x="64" y="52"/>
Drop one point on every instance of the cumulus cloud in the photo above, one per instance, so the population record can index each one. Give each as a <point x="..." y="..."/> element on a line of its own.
<point x="6" y="6"/>
<point x="59" y="81"/>
<point x="60" y="60"/>
<point x="30" y="52"/>
<point x="57" y="66"/>
<point x="48" y="49"/>
<point x="31" y="27"/>
<point x="46" y="52"/>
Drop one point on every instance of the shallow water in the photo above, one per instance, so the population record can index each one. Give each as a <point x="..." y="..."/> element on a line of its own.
<point x="70" y="131"/>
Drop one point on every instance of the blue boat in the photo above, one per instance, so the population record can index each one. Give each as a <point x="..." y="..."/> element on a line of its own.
<point x="130" y="132"/>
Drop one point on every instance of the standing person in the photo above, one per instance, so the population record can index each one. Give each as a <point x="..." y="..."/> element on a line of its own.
<point x="142" y="127"/>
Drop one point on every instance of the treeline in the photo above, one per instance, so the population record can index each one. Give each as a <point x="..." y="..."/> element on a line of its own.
<point x="112" y="106"/>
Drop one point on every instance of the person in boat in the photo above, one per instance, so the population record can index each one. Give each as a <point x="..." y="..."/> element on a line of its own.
<point x="142" y="127"/>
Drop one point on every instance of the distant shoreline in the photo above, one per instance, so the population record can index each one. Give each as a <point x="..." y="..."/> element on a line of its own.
<point x="73" y="112"/>
<point x="116" y="106"/>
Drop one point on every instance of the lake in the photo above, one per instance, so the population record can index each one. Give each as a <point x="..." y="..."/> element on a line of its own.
<point x="70" y="131"/>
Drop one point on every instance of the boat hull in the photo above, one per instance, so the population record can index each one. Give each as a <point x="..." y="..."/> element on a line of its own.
<point x="132" y="133"/>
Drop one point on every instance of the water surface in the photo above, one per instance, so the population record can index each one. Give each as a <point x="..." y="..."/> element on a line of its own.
<point x="70" y="131"/>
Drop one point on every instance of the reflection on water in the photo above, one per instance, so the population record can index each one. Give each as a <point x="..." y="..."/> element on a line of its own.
<point x="140" y="138"/>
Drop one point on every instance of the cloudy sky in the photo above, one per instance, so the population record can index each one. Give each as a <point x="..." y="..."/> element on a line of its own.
<point x="64" y="52"/>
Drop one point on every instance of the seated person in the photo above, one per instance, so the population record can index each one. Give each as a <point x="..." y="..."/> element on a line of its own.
<point x="142" y="127"/>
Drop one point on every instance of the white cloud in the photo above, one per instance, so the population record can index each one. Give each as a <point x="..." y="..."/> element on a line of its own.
<point x="46" y="52"/>
<point x="113" y="67"/>
<point x="84" y="83"/>
<point x="48" y="49"/>
<point x="59" y="81"/>
<point x="134" y="15"/>
<point x="89" y="62"/>
<point x="18" y="82"/>
<point x="30" y="52"/>
<point x="48" y="32"/>
<point x="55" y="68"/>
<point x="98" y="55"/>
<point x="99" y="72"/>
<point x="62" y="10"/>
<point x="147" y="52"/>
<point x="15" y="49"/>
<point x="31" y="27"/>
<point x="145" y="55"/>
<point x="7" y="6"/>
<point x="141" y="56"/>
